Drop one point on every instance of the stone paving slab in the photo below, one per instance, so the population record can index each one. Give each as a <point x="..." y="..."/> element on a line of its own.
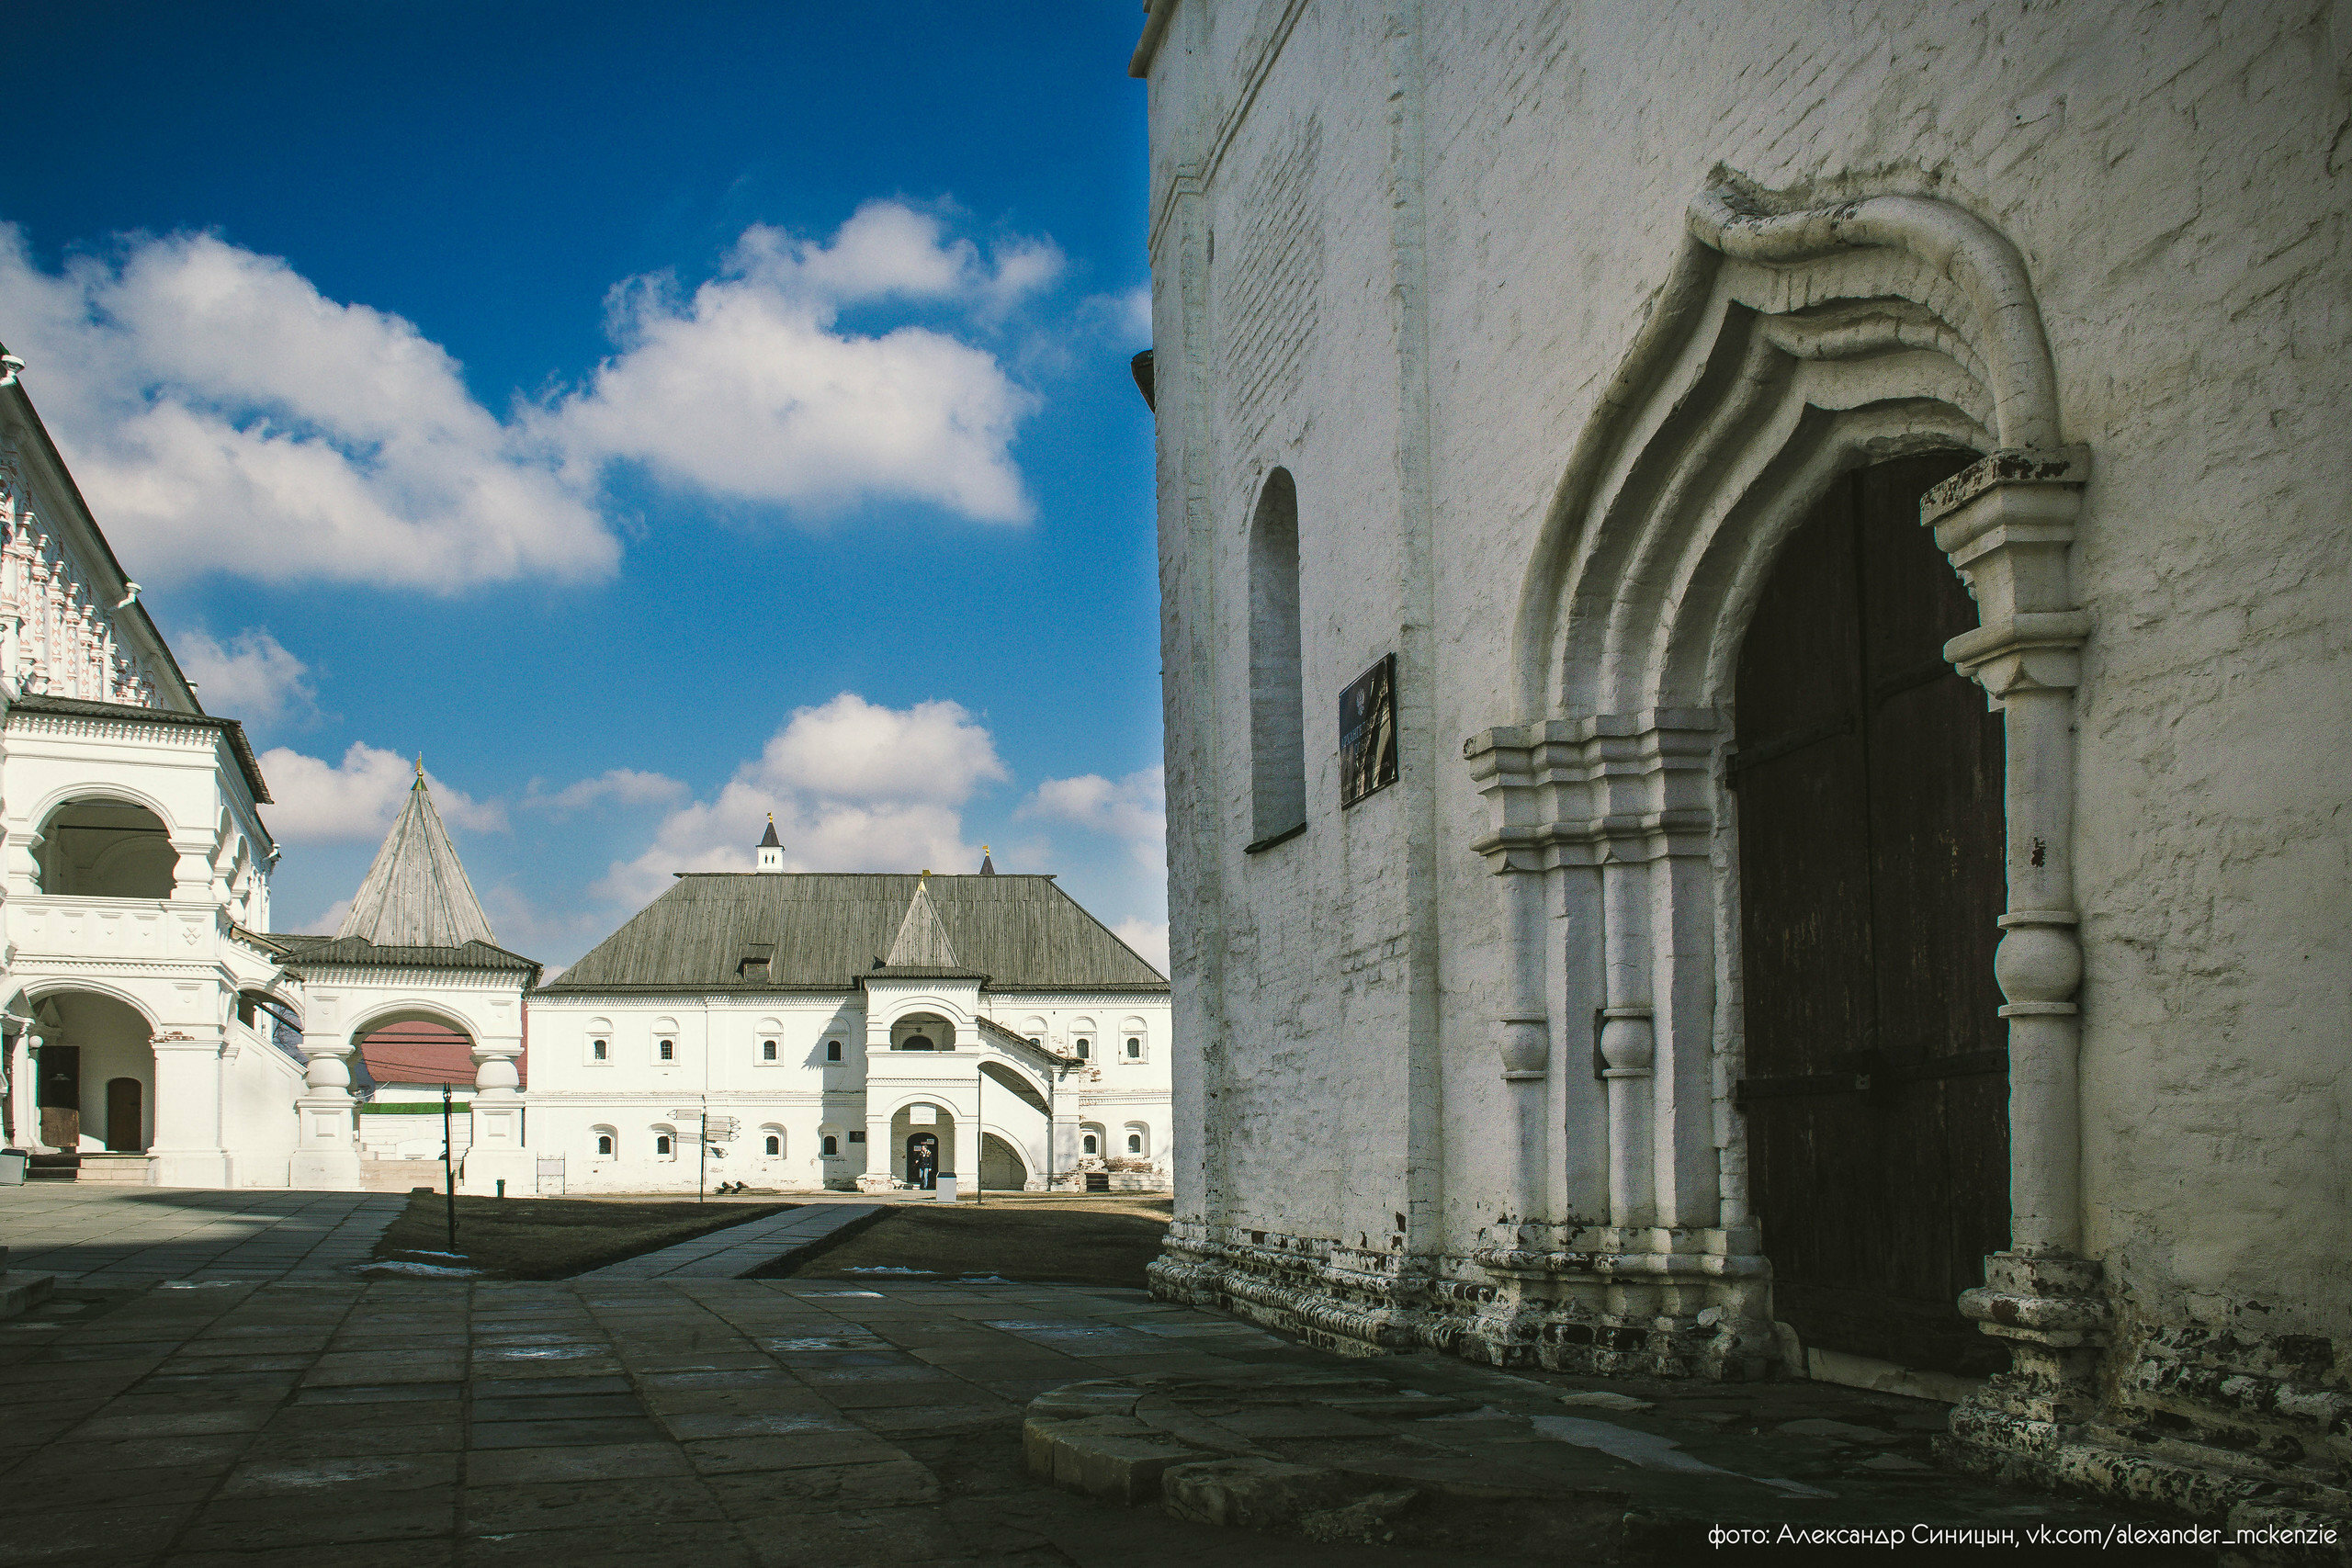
<point x="101" y="1236"/>
<point x="735" y="1251"/>
<point x="790" y="1421"/>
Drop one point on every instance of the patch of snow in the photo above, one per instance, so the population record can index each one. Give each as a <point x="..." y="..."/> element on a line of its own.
<point x="418" y="1270"/>
<point x="890" y="1268"/>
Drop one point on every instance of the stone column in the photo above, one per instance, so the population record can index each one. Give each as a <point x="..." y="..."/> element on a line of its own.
<point x="192" y="876"/>
<point x="2008" y="523"/>
<point x="1628" y="1041"/>
<point x="326" y="1148"/>
<point x="1523" y="1037"/>
<point x="187" y="1151"/>
<point x="500" y="1123"/>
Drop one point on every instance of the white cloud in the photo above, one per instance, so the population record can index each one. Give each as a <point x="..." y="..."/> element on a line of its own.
<point x="749" y="388"/>
<point x="328" y="923"/>
<point x="621" y="786"/>
<point x="252" y="678"/>
<point x="223" y="416"/>
<point x="1134" y="315"/>
<point x="1148" y="937"/>
<point x="851" y="749"/>
<point x="358" y="799"/>
<point x="852" y="786"/>
<point x="1133" y="809"/>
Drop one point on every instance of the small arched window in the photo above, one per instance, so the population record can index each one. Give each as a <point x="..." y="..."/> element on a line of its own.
<point x="1135" y="1050"/>
<point x="669" y="1050"/>
<point x="1085" y="1050"/>
<point x="600" y="1050"/>
<point x="661" y="1142"/>
<point x="775" y="1144"/>
<point x="833" y="1050"/>
<point x="1090" y="1144"/>
<point x="604" y="1145"/>
<point x="833" y="1146"/>
<point x="1134" y="1143"/>
<point x="767" y="1050"/>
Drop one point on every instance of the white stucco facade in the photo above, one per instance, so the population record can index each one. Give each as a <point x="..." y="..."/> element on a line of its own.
<point x="1556" y="321"/>
<point x="140" y="1034"/>
<point x="824" y="1087"/>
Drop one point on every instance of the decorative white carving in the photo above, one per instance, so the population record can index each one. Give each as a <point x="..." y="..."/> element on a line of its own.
<point x="56" y="638"/>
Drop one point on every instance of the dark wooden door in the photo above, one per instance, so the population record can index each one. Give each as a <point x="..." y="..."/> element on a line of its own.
<point x="60" y="1086"/>
<point x="126" y="1116"/>
<point x="1869" y="781"/>
<point x="923" y="1161"/>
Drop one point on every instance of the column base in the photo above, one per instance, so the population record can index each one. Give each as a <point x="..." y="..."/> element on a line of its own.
<point x="187" y="1167"/>
<point x="325" y="1171"/>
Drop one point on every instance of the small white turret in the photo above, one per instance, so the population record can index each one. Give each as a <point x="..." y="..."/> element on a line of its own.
<point x="771" y="848"/>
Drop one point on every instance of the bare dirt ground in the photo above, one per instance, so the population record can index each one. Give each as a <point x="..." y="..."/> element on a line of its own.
<point x="548" y="1238"/>
<point x="1033" y="1238"/>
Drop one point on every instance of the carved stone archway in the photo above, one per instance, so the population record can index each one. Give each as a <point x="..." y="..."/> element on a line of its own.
<point x="1786" y="348"/>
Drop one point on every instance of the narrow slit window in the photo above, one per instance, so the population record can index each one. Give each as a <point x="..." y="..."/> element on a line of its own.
<point x="1277" y="701"/>
<point x="598" y="1050"/>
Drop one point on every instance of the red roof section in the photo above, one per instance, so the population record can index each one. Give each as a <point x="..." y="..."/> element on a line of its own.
<point x="418" y="1052"/>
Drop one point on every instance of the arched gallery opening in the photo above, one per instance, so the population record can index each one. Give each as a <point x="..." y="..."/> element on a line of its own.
<point x="1868" y="780"/>
<point x="399" y="1067"/>
<point x="94" y="1075"/>
<point x="105" y="849"/>
<point x="923" y="1145"/>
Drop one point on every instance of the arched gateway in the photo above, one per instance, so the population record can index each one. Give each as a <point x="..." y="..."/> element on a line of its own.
<point x="1748" y="765"/>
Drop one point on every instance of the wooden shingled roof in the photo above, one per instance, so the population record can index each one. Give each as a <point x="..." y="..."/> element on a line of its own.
<point x="417" y="894"/>
<point x="828" y="930"/>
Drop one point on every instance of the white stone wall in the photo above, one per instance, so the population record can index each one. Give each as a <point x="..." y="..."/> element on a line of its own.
<point x="1401" y="250"/>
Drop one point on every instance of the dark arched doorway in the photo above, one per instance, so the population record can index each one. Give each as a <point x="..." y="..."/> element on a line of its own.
<point x="1870" y="831"/>
<point x="923" y="1161"/>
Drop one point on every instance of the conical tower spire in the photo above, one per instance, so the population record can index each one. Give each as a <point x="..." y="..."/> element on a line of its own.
<point x="922" y="939"/>
<point x="416" y="894"/>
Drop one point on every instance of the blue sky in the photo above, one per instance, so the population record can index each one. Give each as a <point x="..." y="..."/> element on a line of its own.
<point x="655" y="417"/>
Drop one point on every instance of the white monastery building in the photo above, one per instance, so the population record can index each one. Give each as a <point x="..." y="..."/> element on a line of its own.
<point x="1759" y="719"/>
<point x="854" y="1031"/>
<point x="144" y="1023"/>
<point x="781" y="1030"/>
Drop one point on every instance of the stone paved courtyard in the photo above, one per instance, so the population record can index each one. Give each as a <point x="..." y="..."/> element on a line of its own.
<point x="709" y="1421"/>
<point x="104" y="1235"/>
<point x="271" y="1406"/>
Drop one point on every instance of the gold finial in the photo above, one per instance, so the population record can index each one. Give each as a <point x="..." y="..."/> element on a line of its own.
<point x="420" y="764"/>
<point x="984" y="850"/>
<point x="926" y="871"/>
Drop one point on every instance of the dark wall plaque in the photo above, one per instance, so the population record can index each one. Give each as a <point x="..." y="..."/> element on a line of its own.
<point x="1368" y="732"/>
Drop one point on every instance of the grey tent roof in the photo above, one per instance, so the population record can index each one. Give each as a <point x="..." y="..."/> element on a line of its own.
<point x="768" y="841"/>
<point x="832" y="929"/>
<point x="416" y="894"/>
<point x="921" y="942"/>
